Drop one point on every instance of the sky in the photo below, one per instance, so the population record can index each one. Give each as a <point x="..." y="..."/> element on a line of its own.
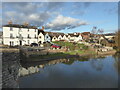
<point x="66" y="17"/>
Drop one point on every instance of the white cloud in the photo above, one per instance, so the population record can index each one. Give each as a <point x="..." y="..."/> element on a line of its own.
<point x="39" y="14"/>
<point x="62" y="22"/>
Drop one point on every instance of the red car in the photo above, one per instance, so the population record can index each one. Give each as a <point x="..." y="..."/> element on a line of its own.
<point x="56" y="46"/>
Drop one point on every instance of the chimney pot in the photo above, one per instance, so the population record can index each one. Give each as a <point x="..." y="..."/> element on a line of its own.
<point x="10" y="22"/>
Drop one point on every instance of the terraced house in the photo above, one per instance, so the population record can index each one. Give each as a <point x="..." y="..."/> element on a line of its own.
<point x="14" y="34"/>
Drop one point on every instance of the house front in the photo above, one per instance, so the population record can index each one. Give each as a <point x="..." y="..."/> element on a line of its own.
<point x="47" y="37"/>
<point x="41" y="36"/>
<point x="60" y="36"/>
<point x="14" y="34"/>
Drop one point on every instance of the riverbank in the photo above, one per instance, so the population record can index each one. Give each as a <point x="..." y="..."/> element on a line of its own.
<point x="58" y="55"/>
<point x="64" y="55"/>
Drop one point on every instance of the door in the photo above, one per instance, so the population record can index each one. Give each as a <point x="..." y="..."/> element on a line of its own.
<point x="20" y="42"/>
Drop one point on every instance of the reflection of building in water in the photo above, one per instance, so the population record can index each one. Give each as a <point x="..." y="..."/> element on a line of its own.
<point x="23" y="71"/>
<point x="28" y="68"/>
<point x="31" y="68"/>
<point x="10" y="67"/>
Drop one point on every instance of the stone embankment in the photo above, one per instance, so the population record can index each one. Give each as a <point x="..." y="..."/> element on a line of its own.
<point x="38" y="51"/>
<point x="10" y="68"/>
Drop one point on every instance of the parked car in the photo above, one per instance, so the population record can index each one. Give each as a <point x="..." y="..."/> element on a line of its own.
<point x="33" y="44"/>
<point x="55" y="46"/>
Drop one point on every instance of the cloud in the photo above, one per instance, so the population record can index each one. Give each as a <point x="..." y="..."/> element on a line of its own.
<point x="41" y="14"/>
<point x="25" y="12"/>
<point x="62" y="22"/>
<point x="33" y="18"/>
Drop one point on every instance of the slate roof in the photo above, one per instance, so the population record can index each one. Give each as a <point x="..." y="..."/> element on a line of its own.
<point x="20" y="26"/>
<point x="52" y="34"/>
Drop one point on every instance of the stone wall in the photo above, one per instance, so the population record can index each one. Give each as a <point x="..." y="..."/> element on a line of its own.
<point x="10" y="68"/>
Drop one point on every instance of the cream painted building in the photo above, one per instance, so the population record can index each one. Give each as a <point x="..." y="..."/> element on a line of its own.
<point x="41" y="36"/>
<point x="14" y="34"/>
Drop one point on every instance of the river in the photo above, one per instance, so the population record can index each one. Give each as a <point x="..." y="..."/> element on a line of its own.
<point x="102" y="72"/>
<point x="99" y="72"/>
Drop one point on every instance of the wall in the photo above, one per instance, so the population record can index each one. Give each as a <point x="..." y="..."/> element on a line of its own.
<point x="10" y="68"/>
<point x="42" y="39"/>
<point x="16" y="33"/>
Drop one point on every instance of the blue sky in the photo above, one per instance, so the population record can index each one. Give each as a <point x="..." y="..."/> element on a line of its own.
<point x="64" y="17"/>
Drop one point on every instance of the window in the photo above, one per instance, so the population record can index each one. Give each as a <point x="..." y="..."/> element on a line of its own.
<point x="20" y="36"/>
<point x="28" y="29"/>
<point x="35" y="36"/>
<point x="28" y="36"/>
<point x="11" y="28"/>
<point x="28" y="42"/>
<point x="47" y="36"/>
<point x="12" y="43"/>
<point x="11" y="35"/>
<point x="40" y="37"/>
<point x="35" y="30"/>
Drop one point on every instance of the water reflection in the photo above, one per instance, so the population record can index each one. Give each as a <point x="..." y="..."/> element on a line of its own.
<point x="70" y="73"/>
<point x="66" y="73"/>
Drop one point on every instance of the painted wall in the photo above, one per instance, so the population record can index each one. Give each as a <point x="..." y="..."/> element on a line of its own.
<point x="41" y="38"/>
<point x="16" y="33"/>
<point x="47" y="38"/>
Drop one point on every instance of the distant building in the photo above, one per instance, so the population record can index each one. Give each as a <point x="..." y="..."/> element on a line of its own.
<point x="85" y="35"/>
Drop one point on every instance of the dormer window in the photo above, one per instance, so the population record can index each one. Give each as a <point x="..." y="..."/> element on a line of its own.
<point x="11" y="28"/>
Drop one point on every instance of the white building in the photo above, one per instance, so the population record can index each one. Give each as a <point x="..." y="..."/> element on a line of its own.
<point x="14" y="34"/>
<point x="41" y="36"/>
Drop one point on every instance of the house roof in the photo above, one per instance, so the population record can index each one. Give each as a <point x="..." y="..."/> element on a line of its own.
<point x="72" y="35"/>
<point x="86" y="33"/>
<point x="20" y="26"/>
<point x="52" y="34"/>
<point x="40" y="30"/>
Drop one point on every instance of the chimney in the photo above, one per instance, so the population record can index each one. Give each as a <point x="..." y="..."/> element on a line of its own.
<point x="10" y="22"/>
<point x="26" y="24"/>
<point x="43" y="28"/>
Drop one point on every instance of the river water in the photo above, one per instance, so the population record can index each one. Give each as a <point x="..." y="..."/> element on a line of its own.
<point x="99" y="72"/>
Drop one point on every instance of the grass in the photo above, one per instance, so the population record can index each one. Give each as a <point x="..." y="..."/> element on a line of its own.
<point x="74" y="52"/>
<point x="72" y="46"/>
<point x="75" y="48"/>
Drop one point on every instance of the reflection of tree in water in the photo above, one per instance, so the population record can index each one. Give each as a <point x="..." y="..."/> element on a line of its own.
<point x="97" y="64"/>
<point x="70" y="61"/>
<point x="83" y="59"/>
